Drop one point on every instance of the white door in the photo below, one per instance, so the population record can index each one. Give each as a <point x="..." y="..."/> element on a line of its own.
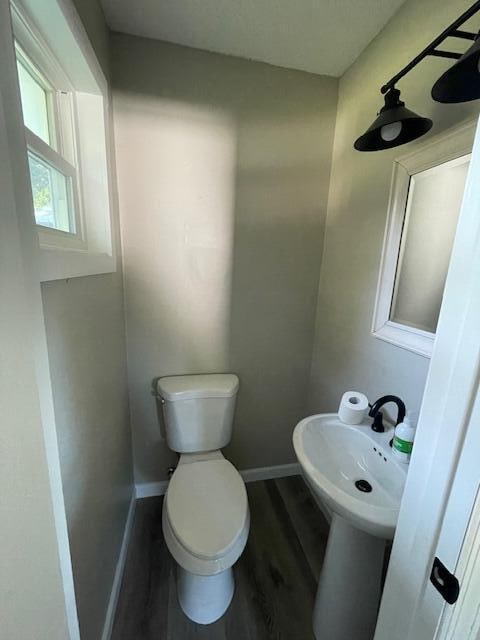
<point x="444" y="476"/>
<point x="461" y="530"/>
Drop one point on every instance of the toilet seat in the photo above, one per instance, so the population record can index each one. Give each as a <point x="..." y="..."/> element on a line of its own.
<point x="205" y="516"/>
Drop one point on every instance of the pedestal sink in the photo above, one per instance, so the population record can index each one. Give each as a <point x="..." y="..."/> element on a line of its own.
<point x="352" y="470"/>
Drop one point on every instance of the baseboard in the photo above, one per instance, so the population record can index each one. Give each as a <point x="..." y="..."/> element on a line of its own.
<point x="150" y="489"/>
<point x="117" y="579"/>
<point x="268" y="473"/>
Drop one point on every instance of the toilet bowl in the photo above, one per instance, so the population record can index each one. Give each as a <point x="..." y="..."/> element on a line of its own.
<point x="205" y="516"/>
<point x="205" y="522"/>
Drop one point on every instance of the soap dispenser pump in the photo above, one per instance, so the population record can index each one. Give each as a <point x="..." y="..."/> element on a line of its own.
<point x="403" y="439"/>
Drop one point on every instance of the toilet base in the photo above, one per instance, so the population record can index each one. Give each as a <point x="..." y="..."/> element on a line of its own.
<point x="204" y="599"/>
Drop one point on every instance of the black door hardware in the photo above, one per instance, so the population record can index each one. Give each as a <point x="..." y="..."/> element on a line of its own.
<point x="444" y="582"/>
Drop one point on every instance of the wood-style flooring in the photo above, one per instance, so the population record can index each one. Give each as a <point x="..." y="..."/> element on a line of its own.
<point x="276" y="577"/>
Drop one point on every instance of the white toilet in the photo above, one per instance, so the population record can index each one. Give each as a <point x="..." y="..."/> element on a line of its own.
<point x="205" y="511"/>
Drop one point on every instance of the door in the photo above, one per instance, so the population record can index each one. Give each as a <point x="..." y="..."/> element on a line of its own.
<point x="438" y="511"/>
<point x="461" y="529"/>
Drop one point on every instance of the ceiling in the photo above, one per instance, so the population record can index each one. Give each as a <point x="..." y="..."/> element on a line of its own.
<point x="320" y="36"/>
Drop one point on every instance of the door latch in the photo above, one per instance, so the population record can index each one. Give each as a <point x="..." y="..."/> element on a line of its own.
<point x="444" y="582"/>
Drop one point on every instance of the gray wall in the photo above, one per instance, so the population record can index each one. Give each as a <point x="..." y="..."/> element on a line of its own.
<point x="86" y="343"/>
<point x="346" y="355"/>
<point x="223" y="169"/>
<point x="91" y="14"/>
<point x="32" y="596"/>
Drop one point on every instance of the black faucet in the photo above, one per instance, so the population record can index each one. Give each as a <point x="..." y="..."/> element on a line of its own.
<point x="376" y="414"/>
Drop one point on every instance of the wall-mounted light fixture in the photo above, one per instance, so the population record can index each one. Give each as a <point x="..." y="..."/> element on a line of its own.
<point x="396" y="125"/>
<point x="460" y="83"/>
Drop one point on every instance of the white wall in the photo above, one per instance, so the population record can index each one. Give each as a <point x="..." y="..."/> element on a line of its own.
<point x="85" y="328"/>
<point x="86" y="348"/>
<point x="223" y="169"/>
<point x="36" y="586"/>
<point x="31" y="589"/>
<point x="346" y="356"/>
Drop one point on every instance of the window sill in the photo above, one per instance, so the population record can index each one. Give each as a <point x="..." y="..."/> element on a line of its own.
<point x="59" y="264"/>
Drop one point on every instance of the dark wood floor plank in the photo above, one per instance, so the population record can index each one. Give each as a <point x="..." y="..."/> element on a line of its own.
<point x="283" y="588"/>
<point x="238" y="621"/>
<point x="307" y="519"/>
<point x="275" y="577"/>
<point x="142" y="606"/>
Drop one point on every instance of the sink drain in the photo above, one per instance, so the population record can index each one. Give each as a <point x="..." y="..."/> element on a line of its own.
<point x="363" y="485"/>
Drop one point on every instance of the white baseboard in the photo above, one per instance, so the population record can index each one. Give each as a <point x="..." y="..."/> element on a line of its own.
<point x="150" y="489"/>
<point x="268" y="473"/>
<point x="117" y="579"/>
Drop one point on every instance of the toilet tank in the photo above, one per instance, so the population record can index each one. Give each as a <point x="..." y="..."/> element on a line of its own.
<point x="198" y="410"/>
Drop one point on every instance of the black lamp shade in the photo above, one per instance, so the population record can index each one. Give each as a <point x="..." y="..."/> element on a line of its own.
<point x="394" y="126"/>
<point x="460" y="83"/>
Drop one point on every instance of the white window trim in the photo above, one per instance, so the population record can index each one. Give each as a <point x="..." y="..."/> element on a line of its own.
<point x="453" y="143"/>
<point x="91" y="250"/>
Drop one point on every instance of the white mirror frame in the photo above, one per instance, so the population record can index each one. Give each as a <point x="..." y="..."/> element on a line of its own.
<point x="450" y="144"/>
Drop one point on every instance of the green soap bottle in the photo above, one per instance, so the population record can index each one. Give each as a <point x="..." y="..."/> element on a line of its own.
<point x="403" y="439"/>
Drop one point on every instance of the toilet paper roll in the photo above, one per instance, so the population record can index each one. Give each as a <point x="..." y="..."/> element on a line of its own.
<point x="353" y="407"/>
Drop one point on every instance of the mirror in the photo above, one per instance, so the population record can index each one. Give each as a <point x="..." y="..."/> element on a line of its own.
<point x="423" y="210"/>
<point x="431" y="215"/>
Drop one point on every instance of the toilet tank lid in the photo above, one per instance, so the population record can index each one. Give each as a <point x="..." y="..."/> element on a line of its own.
<point x="212" y="385"/>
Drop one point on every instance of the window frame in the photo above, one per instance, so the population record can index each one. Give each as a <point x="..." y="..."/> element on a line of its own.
<point x="33" y="53"/>
<point x="23" y="59"/>
<point x="69" y="173"/>
<point x="450" y="145"/>
<point x="82" y="122"/>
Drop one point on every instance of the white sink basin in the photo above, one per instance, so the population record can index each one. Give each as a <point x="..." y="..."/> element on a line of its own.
<point x="334" y="456"/>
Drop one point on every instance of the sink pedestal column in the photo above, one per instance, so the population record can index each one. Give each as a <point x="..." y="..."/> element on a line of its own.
<point x="348" y="595"/>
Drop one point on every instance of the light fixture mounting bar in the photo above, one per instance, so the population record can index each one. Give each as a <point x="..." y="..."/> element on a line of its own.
<point x="437" y="53"/>
<point x="431" y="49"/>
<point x="466" y="35"/>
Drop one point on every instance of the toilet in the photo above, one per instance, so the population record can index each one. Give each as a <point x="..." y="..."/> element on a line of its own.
<point x="205" y="515"/>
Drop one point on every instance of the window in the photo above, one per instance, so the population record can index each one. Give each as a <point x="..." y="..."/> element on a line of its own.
<point x="64" y="100"/>
<point x="36" y="99"/>
<point x="52" y="195"/>
<point x="425" y="202"/>
<point x="49" y="123"/>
